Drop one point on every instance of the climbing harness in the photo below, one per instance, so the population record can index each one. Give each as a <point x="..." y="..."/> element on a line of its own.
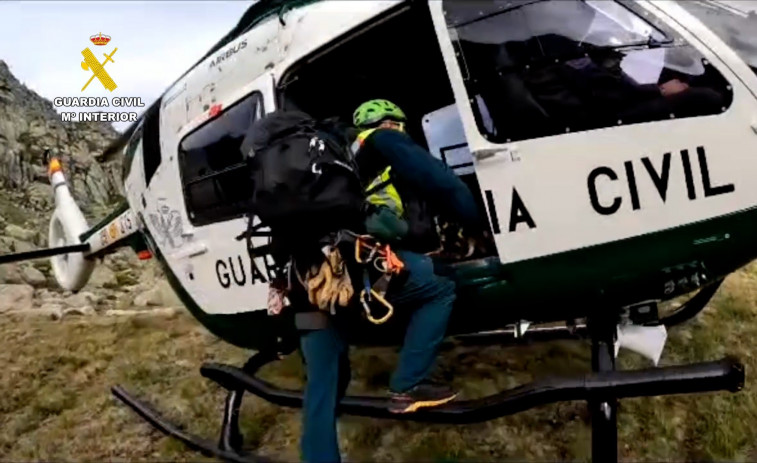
<point x="329" y="283"/>
<point x="369" y="252"/>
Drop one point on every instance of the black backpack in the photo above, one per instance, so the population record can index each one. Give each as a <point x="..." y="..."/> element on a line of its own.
<point x="304" y="181"/>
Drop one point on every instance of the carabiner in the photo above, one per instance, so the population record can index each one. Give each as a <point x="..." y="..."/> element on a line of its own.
<point x="368" y="309"/>
<point x="381" y="264"/>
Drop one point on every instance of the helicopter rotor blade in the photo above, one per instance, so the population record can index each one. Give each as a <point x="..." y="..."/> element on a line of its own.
<point x="40" y="253"/>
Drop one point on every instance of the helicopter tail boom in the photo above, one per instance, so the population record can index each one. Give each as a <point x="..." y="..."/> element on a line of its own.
<point x="74" y="244"/>
<point x="113" y="232"/>
<point x="67" y="224"/>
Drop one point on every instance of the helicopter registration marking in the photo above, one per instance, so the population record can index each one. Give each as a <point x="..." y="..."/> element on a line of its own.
<point x="117" y="229"/>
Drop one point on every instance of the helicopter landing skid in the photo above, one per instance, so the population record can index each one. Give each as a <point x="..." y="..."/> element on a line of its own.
<point x="229" y="447"/>
<point x="601" y="389"/>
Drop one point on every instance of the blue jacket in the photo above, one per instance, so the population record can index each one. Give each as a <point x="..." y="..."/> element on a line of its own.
<point x="418" y="174"/>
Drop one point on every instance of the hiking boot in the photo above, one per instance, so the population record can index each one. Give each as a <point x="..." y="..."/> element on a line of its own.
<point x="425" y="394"/>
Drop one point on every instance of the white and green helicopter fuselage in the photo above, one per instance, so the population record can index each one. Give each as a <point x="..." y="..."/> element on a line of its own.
<point x="584" y="218"/>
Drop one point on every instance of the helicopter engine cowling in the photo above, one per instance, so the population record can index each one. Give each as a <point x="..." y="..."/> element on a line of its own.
<point x="67" y="224"/>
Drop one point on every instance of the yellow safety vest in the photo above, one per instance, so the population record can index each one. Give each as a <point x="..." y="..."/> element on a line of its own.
<point x="381" y="190"/>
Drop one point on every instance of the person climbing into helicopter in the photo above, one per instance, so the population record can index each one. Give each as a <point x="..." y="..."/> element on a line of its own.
<point x="403" y="179"/>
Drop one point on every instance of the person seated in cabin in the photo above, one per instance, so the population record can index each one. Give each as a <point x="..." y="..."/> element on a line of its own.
<point x="403" y="178"/>
<point x="587" y="86"/>
<point x="601" y="77"/>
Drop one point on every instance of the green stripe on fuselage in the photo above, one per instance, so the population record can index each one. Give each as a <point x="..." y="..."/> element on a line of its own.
<point x="551" y="288"/>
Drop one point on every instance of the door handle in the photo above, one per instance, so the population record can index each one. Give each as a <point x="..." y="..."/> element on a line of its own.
<point x="191" y="250"/>
<point x="509" y="153"/>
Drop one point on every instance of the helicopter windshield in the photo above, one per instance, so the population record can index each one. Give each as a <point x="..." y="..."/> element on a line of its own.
<point x="600" y="23"/>
<point x="544" y="67"/>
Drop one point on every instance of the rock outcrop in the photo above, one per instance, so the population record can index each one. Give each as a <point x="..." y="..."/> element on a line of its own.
<point x="121" y="284"/>
<point x="16" y="296"/>
<point x="29" y="125"/>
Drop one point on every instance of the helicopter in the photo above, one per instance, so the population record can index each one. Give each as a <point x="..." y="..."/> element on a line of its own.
<point x="603" y="197"/>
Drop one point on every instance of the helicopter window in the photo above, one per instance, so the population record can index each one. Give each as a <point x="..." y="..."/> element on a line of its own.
<point x="545" y="67"/>
<point x="211" y="163"/>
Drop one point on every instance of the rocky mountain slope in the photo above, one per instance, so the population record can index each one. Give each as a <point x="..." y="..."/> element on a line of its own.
<point x="28" y="125"/>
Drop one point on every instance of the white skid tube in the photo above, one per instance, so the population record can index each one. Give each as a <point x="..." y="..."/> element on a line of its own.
<point x="67" y="224"/>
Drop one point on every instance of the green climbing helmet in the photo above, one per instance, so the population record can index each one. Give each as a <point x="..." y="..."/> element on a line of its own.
<point x="374" y="111"/>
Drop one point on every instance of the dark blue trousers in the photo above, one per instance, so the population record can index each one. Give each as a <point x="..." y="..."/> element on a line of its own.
<point x="430" y="296"/>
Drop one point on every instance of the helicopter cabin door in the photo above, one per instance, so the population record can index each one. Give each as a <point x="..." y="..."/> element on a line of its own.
<point x="209" y="258"/>
<point x="595" y="121"/>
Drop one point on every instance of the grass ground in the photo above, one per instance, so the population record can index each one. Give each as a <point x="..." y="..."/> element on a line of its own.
<point x="55" y="401"/>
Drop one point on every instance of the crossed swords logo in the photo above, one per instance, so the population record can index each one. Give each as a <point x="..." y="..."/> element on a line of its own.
<point x="97" y="68"/>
